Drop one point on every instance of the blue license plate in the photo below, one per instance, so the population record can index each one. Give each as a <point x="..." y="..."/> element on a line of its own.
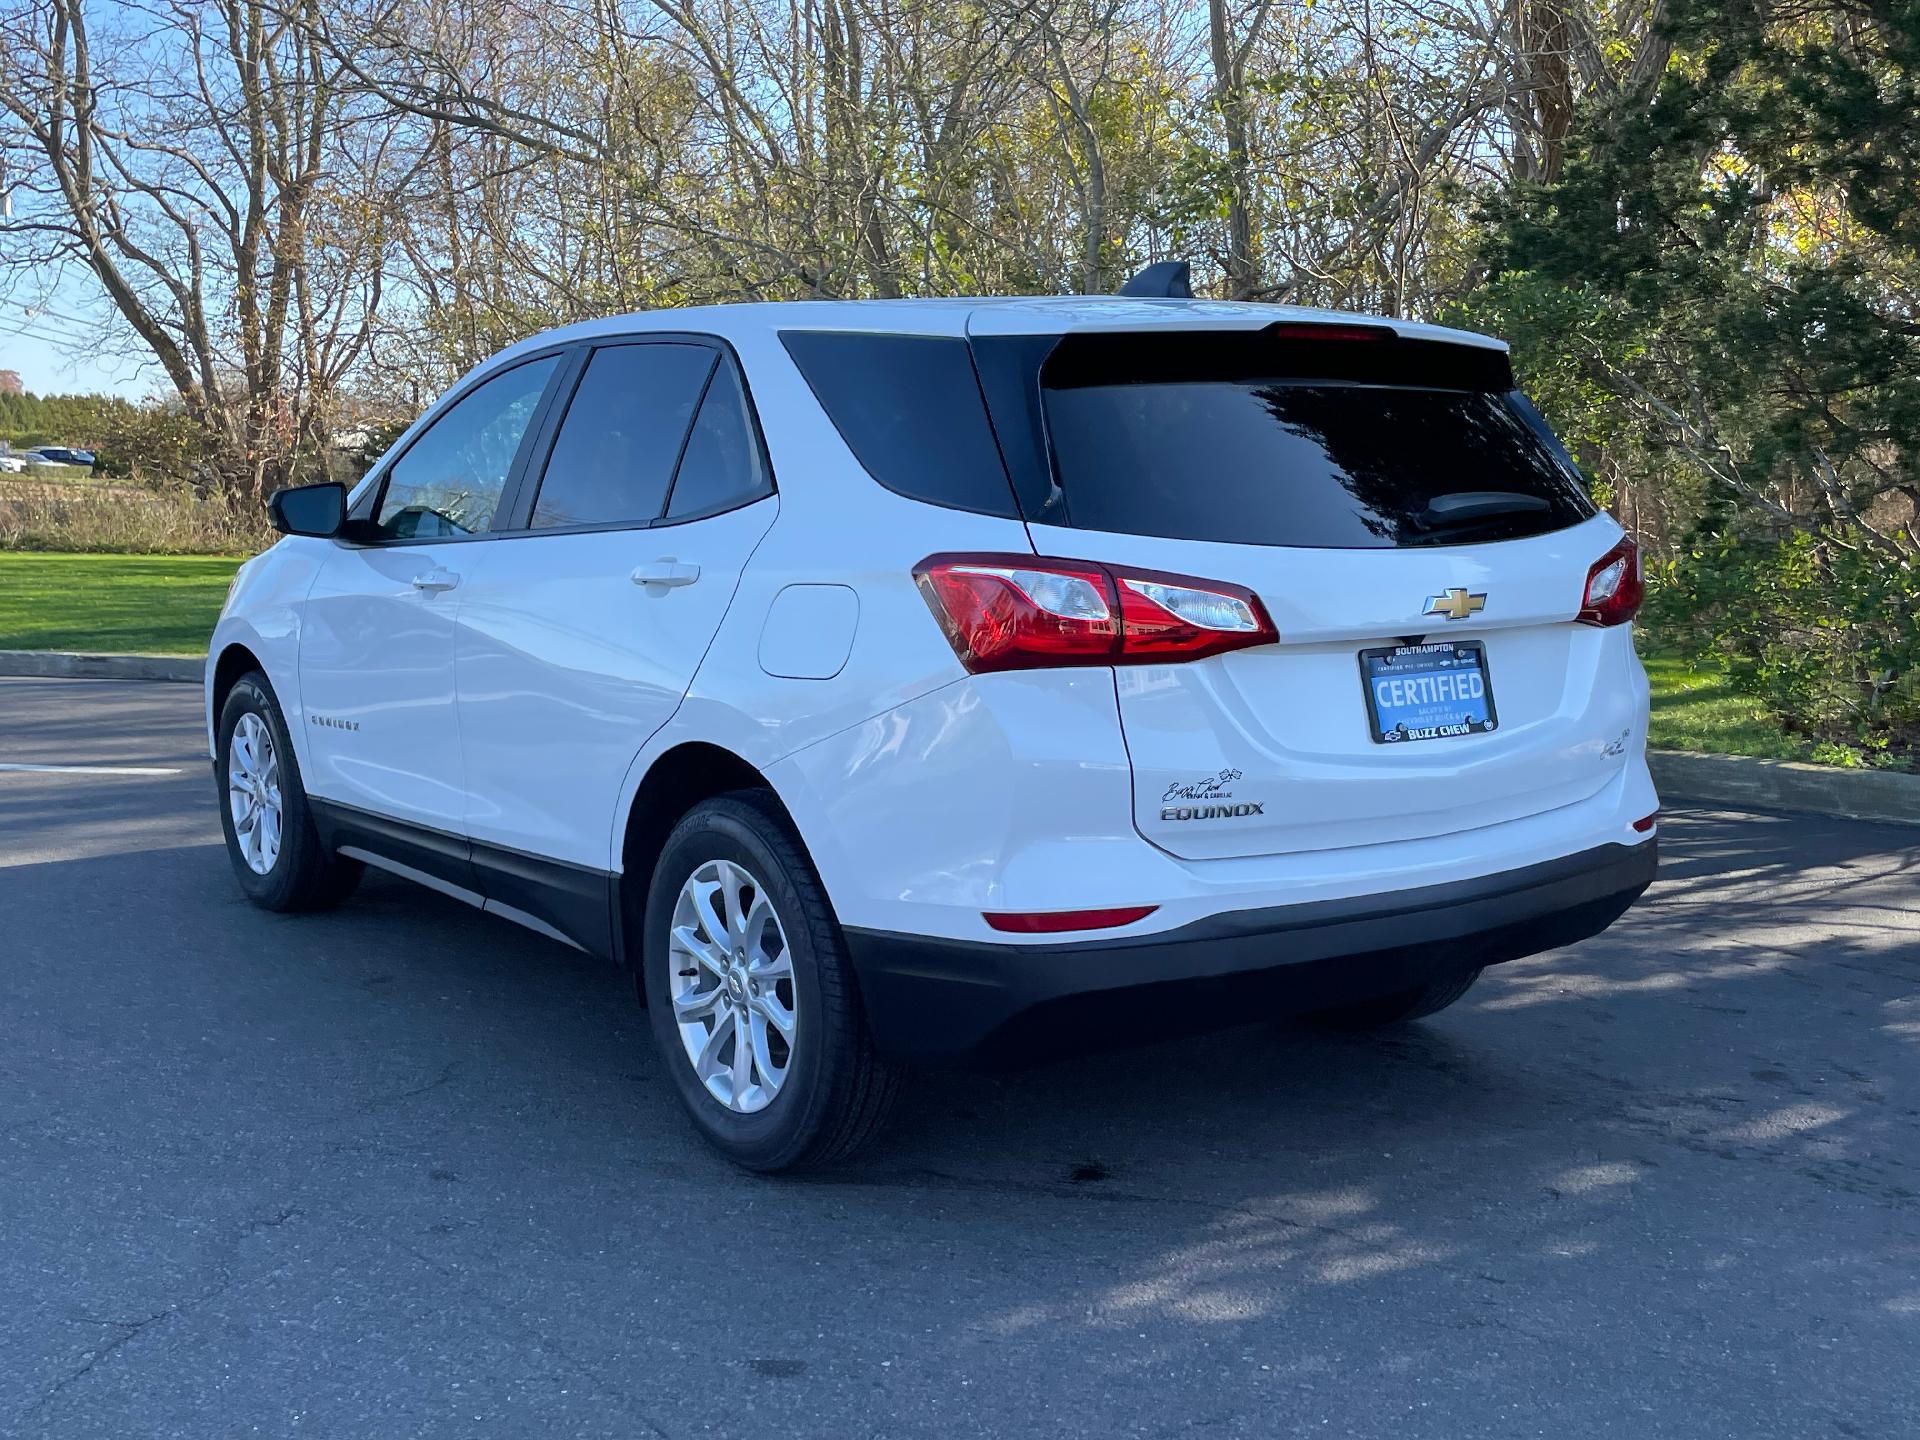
<point x="1427" y="692"/>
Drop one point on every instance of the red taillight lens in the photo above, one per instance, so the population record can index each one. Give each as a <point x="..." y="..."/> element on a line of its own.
<point x="1050" y="922"/>
<point x="1614" y="587"/>
<point x="1025" y="612"/>
<point x="1005" y="613"/>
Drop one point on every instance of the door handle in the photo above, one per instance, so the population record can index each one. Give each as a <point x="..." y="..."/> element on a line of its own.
<point x="666" y="572"/>
<point x="436" y="580"/>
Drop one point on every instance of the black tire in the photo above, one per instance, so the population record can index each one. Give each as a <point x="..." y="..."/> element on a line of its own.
<point x="1399" y="1008"/>
<point x="837" y="1090"/>
<point x="304" y="875"/>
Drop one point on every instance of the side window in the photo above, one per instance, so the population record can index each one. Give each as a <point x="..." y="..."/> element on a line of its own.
<point x="613" y="459"/>
<point x="723" y="466"/>
<point x="910" y="409"/>
<point x="449" y="481"/>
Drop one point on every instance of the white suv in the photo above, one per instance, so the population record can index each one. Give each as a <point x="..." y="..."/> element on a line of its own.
<point x="934" y="680"/>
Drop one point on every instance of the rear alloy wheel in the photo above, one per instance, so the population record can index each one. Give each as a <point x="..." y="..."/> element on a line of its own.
<point x="1399" y="1008"/>
<point x="732" y="986"/>
<point x="751" y="994"/>
<point x="276" y="853"/>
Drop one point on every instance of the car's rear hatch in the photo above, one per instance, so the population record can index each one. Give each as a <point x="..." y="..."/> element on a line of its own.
<point x="1376" y="492"/>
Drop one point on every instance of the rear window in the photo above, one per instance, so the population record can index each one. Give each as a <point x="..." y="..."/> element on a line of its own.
<point x="909" y="408"/>
<point x="1360" y="442"/>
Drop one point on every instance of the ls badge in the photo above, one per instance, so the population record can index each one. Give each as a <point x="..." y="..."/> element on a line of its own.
<point x="1456" y="604"/>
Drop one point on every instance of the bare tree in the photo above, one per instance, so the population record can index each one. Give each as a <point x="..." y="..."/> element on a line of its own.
<point x="1232" y="39"/>
<point x="189" y="156"/>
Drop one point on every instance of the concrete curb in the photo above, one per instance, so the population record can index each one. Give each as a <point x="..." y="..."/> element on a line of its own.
<point x="1683" y="777"/>
<point x="1742" y="782"/>
<point x="67" y="665"/>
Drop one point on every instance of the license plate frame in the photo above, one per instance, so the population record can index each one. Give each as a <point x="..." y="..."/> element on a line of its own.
<point x="1447" y="719"/>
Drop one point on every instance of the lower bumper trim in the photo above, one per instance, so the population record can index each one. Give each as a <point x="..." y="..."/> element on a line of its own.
<point x="938" y="1001"/>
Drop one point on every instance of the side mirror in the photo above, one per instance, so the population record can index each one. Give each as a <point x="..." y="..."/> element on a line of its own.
<point x="318" y="510"/>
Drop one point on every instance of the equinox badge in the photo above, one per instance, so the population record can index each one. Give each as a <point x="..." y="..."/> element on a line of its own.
<point x="1213" y="812"/>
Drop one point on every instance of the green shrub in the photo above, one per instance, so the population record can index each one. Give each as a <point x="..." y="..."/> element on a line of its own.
<point x="1825" y="635"/>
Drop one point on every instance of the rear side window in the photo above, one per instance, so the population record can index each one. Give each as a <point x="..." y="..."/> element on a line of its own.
<point x="909" y="408"/>
<point x="722" y="466"/>
<point x="1302" y="451"/>
<point x="613" y="458"/>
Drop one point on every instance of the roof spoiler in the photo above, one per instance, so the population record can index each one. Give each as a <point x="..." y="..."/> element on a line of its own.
<point x="1166" y="280"/>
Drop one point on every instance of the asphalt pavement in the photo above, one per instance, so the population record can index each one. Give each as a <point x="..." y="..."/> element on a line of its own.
<point x="406" y="1170"/>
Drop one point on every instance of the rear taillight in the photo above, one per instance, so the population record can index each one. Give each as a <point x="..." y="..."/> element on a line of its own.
<point x="1614" y="587"/>
<point x="1026" y="612"/>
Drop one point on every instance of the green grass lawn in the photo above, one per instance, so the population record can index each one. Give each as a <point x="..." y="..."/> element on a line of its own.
<point x="148" y="604"/>
<point x="1695" y="708"/>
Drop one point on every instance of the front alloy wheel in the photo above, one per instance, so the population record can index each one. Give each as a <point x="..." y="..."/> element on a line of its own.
<point x="276" y="851"/>
<point x="253" y="793"/>
<point x="732" y="986"/>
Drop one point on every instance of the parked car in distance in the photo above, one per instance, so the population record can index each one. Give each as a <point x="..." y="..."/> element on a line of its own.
<point x="936" y="681"/>
<point x="12" y="464"/>
<point x="62" y="455"/>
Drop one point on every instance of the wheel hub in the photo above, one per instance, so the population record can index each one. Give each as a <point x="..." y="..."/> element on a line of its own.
<point x="731" y="986"/>
<point x="253" y="793"/>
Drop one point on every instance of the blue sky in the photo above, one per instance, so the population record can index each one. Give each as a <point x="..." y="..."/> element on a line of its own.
<point x="57" y="349"/>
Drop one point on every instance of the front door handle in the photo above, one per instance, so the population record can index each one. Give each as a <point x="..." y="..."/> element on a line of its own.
<point x="436" y="580"/>
<point x="666" y="572"/>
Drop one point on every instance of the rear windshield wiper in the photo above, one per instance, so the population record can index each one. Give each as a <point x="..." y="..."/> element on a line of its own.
<point x="1463" y="507"/>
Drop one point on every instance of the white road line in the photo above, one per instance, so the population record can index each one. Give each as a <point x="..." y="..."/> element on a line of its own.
<point x="90" y="769"/>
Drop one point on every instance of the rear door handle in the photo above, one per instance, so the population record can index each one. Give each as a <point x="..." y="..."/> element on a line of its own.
<point x="666" y="572"/>
<point x="436" y="580"/>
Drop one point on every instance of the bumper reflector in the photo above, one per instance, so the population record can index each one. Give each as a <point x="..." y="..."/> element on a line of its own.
<point x="1647" y="823"/>
<point x="1047" y="922"/>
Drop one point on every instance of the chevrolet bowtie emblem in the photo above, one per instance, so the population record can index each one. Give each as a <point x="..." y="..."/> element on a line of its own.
<point x="1456" y="604"/>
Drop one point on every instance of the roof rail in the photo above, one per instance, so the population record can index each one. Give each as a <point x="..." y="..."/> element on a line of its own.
<point x="1165" y="280"/>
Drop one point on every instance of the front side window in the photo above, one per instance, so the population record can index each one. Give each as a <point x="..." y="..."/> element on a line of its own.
<point x="613" y="460"/>
<point x="449" y="481"/>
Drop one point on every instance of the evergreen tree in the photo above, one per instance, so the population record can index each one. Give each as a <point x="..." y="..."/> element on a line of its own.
<point x="1738" y="261"/>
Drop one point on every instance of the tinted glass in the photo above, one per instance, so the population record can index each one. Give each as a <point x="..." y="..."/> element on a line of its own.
<point x="1009" y="369"/>
<point x="449" y="481"/>
<point x="722" y="466"/>
<point x="613" y="459"/>
<point x="909" y="408"/>
<point x="1286" y="462"/>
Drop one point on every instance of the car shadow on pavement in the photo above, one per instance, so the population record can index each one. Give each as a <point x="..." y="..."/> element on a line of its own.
<point x="1709" y="1110"/>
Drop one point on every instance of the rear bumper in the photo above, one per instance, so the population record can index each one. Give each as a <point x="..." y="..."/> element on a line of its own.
<point x="940" y="1001"/>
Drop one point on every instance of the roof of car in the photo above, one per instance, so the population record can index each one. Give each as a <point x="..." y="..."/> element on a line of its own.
<point x="1003" y="315"/>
